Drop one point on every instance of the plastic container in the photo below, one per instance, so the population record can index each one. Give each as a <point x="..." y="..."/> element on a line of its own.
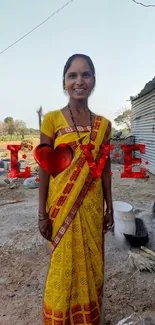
<point x="6" y="165"/>
<point x="141" y="238"/>
<point x="1" y="171"/>
<point x="124" y="220"/>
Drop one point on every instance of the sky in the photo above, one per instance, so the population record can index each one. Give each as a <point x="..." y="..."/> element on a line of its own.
<point x="117" y="34"/>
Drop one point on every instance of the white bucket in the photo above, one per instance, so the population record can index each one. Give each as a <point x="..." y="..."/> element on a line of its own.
<point x="124" y="220"/>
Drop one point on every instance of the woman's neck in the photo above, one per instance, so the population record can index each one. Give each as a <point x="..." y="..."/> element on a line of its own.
<point x="78" y="106"/>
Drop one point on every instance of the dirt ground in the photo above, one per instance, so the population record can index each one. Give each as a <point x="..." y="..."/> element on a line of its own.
<point x="24" y="259"/>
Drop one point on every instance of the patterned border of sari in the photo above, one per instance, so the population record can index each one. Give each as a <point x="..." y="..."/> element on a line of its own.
<point x="72" y="213"/>
<point x="72" y="129"/>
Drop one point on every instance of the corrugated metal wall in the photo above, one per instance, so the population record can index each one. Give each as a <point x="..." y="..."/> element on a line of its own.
<point x="143" y="111"/>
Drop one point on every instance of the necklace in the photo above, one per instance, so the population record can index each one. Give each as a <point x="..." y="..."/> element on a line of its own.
<point x="77" y="131"/>
<point x="96" y="168"/>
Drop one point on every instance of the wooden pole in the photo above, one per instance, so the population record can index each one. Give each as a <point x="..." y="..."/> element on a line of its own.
<point x="40" y="113"/>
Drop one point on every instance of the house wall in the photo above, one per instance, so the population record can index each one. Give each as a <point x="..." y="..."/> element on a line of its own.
<point x="143" y="119"/>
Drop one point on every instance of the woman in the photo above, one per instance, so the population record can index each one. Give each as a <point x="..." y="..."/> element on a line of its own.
<point x="71" y="206"/>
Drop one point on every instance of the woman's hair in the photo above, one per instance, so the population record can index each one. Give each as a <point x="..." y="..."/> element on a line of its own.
<point x="72" y="58"/>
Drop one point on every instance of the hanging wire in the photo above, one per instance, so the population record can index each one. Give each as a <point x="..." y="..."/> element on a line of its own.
<point x="143" y="4"/>
<point x="32" y="30"/>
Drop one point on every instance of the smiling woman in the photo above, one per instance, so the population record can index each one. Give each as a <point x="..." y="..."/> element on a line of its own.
<point x="71" y="205"/>
<point x="79" y="77"/>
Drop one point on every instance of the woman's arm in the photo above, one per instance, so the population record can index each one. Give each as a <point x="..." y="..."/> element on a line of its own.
<point x="106" y="184"/>
<point x="43" y="178"/>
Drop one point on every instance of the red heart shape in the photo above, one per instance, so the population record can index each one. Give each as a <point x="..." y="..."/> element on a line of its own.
<point x="53" y="161"/>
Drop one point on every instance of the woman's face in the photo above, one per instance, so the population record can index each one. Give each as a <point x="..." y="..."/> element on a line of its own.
<point x="79" y="80"/>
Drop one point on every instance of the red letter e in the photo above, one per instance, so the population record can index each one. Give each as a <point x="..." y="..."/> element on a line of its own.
<point x="128" y="161"/>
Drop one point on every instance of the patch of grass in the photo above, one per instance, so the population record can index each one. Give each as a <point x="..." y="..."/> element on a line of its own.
<point x="7" y="138"/>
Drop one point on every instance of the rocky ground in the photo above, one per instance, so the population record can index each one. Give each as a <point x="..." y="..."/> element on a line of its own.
<point x="24" y="259"/>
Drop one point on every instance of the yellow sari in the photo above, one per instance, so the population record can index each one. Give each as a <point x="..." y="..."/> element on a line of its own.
<point x="75" y="203"/>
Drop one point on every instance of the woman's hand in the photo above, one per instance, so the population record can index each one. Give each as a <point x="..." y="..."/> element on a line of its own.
<point x="108" y="221"/>
<point x="45" y="226"/>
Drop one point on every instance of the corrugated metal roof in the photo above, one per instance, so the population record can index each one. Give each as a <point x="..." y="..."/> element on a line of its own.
<point x="143" y="114"/>
<point x="149" y="87"/>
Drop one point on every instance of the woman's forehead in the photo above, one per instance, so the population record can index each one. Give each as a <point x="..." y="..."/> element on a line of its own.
<point x="79" y="64"/>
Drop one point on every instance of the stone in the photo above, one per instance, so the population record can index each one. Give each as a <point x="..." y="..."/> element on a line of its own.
<point x="3" y="281"/>
<point x="31" y="182"/>
<point x="2" y="184"/>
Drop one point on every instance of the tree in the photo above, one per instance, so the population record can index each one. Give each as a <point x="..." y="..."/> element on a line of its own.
<point x="31" y="131"/>
<point x="2" y="129"/>
<point x="8" y="119"/>
<point x="20" y="128"/>
<point x="124" y="119"/>
<point x="40" y="112"/>
<point x="10" y="127"/>
<point x="114" y="130"/>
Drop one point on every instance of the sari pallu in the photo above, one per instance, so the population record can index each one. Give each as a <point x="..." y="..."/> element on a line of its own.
<point x="74" y="284"/>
